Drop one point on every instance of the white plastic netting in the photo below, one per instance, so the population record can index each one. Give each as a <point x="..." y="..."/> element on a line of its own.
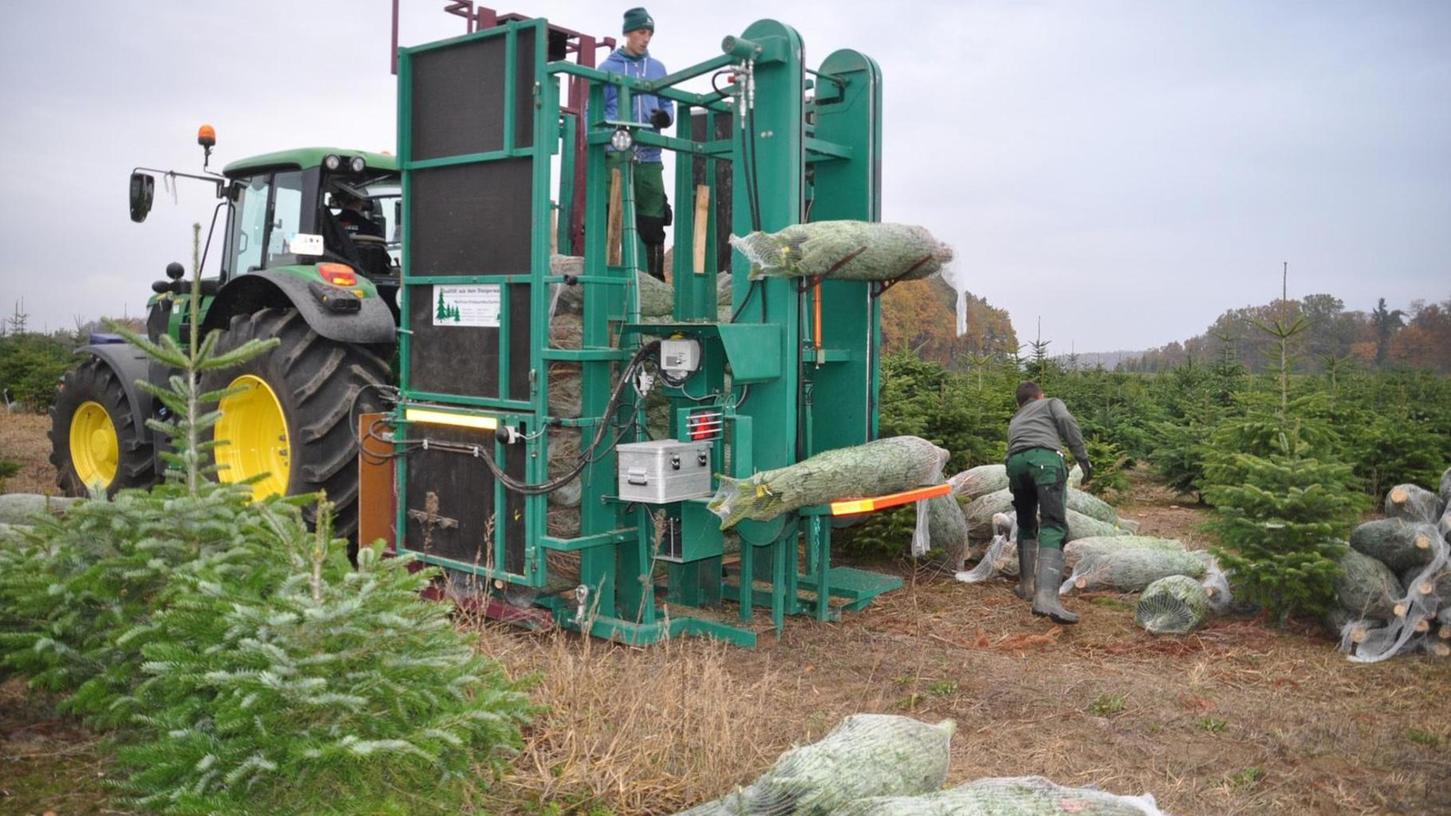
<point x="1175" y="605"/>
<point x="865" y="755"/>
<point x="850" y="250"/>
<point x="1002" y="554"/>
<point x="1129" y="569"/>
<point x="1415" y="620"/>
<point x="1015" y="796"/>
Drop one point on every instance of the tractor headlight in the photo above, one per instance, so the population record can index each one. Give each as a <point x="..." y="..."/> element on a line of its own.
<point x="332" y="162"/>
<point x="358" y="164"/>
<point x="622" y="140"/>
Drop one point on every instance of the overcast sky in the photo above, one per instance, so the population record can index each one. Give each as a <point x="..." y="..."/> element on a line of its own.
<point x="1124" y="170"/>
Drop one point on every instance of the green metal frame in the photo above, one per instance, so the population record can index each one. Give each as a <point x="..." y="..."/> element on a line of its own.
<point x="785" y="399"/>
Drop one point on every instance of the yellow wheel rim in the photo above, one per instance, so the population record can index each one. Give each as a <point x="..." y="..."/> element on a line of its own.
<point x="252" y="437"/>
<point x="94" y="446"/>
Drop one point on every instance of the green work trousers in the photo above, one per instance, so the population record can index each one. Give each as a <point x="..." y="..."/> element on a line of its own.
<point x="1038" y="479"/>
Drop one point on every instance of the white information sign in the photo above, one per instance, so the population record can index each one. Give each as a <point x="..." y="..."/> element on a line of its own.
<point x="466" y="305"/>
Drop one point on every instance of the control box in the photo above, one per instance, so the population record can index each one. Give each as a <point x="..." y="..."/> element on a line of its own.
<point x="663" y="471"/>
<point x="679" y="356"/>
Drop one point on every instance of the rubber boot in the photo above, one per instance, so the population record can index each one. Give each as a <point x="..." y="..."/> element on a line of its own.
<point x="1027" y="562"/>
<point x="1045" y="596"/>
<point x="655" y="261"/>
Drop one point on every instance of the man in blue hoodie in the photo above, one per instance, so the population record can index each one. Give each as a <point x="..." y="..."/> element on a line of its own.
<point x="652" y="210"/>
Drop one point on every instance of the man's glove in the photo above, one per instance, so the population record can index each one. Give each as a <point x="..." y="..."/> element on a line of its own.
<point x="1087" y="470"/>
<point x="659" y="118"/>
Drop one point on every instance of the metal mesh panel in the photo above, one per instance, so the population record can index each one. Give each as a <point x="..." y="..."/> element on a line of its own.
<point x="450" y="359"/>
<point x="471" y="219"/>
<point x="524" y="90"/>
<point x="450" y="497"/>
<point x="457" y="96"/>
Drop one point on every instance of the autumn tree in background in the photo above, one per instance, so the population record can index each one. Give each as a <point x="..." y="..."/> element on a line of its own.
<point x="1425" y="341"/>
<point x="921" y="317"/>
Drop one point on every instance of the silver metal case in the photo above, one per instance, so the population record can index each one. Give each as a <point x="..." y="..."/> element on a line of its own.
<point x="664" y="471"/>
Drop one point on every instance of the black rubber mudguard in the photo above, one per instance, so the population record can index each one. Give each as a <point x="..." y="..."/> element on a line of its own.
<point x="130" y="364"/>
<point x="372" y="323"/>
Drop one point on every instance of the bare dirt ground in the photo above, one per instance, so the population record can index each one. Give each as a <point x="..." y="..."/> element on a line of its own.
<point x="23" y="439"/>
<point x="1239" y="718"/>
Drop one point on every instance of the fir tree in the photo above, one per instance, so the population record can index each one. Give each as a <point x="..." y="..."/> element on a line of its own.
<point x="337" y="691"/>
<point x="1281" y="509"/>
<point x="106" y="565"/>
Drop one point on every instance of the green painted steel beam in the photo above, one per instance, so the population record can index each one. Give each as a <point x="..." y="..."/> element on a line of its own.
<point x="587" y="542"/>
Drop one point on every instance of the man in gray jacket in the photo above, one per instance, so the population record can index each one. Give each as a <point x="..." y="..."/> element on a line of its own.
<point x="1038" y="479"/>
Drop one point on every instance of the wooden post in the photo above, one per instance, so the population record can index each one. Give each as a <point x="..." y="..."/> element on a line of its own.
<point x="701" y="222"/>
<point x="615" y="231"/>
<point x="554" y="230"/>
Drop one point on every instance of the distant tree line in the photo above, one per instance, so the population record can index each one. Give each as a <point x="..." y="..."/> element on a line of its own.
<point x="31" y="363"/>
<point x="1380" y="339"/>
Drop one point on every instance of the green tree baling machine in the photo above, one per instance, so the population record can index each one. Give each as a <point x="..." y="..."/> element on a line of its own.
<point x="483" y="456"/>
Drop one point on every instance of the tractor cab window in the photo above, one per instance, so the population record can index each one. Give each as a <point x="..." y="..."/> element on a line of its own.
<point x="286" y="214"/>
<point x="251" y="226"/>
<point x="269" y="215"/>
<point x="366" y="217"/>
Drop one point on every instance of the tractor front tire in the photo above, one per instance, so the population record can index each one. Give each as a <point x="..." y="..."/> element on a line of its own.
<point x="292" y="411"/>
<point x="95" y="440"/>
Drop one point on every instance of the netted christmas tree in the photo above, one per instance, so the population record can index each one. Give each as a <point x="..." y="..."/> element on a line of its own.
<point x="1282" y="509"/>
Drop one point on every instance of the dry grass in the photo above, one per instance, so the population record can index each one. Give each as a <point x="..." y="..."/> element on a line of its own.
<point x="23" y="439"/>
<point x="634" y="730"/>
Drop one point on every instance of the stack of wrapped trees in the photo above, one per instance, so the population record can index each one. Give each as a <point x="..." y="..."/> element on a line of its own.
<point x="983" y="493"/>
<point x="1394" y="592"/>
<point x="1181" y="588"/>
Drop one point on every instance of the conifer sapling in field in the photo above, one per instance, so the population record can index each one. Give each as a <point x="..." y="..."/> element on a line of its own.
<point x="1281" y="511"/>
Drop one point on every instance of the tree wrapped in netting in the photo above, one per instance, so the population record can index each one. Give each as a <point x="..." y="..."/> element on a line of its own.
<point x="876" y="468"/>
<point x="1413" y="503"/>
<point x="1076" y="549"/>
<point x="1366" y="588"/>
<point x="1092" y="506"/>
<point x="979" y="481"/>
<point x="25" y="508"/>
<point x="1016" y="796"/>
<point x="1130" y="569"/>
<point x="948" y="529"/>
<point x="846" y="250"/>
<point x="865" y="755"/>
<point x="1282" y="508"/>
<point x="1173" y="605"/>
<point x="1397" y="543"/>
<point x="1415" y="616"/>
<point x="1082" y="526"/>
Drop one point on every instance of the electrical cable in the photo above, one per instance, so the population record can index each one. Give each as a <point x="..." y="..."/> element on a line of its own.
<point x="585" y="458"/>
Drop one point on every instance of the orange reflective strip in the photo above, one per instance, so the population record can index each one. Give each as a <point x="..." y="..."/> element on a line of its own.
<point x="850" y="507"/>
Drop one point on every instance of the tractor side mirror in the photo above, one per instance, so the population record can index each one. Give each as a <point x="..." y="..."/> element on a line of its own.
<point x="143" y="191"/>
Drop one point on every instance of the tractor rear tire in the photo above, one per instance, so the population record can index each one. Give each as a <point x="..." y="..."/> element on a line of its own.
<point x="295" y="412"/>
<point x="94" y="436"/>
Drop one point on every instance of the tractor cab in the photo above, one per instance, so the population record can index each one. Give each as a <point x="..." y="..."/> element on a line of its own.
<point x="314" y="205"/>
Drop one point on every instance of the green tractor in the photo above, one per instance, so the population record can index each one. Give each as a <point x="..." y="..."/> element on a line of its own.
<point x="310" y="255"/>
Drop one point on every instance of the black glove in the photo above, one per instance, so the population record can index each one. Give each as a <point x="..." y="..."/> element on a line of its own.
<point x="1087" y="470"/>
<point x="659" y="118"/>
